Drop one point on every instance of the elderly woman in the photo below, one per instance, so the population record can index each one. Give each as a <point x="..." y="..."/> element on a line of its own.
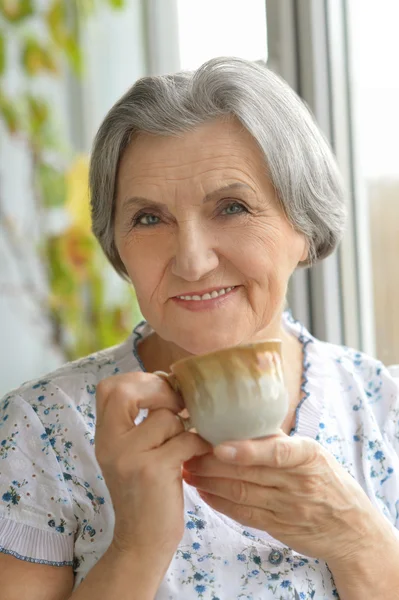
<point x="208" y="190"/>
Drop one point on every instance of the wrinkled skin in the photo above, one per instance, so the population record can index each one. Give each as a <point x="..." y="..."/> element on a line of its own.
<point x="295" y="490"/>
<point x="182" y="244"/>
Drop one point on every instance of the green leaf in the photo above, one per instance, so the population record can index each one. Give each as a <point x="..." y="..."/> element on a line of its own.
<point x="36" y="57"/>
<point x="56" y="22"/>
<point x="38" y="121"/>
<point x="85" y="8"/>
<point x="15" y="11"/>
<point x="118" y="4"/>
<point x="38" y="112"/>
<point x="9" y="114"/>
<point x="2" y="52"/>
<point x="52" y="185"/>
<point x="61" y="278"/>
<point x="74" y="54"/>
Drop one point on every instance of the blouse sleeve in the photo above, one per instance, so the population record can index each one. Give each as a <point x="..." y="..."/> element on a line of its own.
<point x="37" y="521"/>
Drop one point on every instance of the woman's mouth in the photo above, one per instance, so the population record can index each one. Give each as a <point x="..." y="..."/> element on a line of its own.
<point x="205" y="300"/>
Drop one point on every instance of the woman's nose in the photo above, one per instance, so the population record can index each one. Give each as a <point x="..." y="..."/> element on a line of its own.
<point x="195" y="257"/>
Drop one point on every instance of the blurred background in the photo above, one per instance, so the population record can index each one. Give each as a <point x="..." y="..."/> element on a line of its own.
<point x="63" y="63"/>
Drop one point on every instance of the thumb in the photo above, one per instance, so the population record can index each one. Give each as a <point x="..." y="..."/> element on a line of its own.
<point x="276" y="451"/>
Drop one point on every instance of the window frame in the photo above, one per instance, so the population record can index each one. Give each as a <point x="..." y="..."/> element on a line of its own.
<point x="310" y="50"/>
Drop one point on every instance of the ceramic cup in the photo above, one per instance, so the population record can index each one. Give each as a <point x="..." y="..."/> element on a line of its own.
<point x="233" y="394"/>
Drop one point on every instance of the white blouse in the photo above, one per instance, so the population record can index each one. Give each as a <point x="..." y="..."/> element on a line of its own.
<point x="56" y="509"/>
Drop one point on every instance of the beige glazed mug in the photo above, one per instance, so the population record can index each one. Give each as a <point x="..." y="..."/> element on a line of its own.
<point x="233" y="394"/>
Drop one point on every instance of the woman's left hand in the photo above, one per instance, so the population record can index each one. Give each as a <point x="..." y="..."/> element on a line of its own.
<point x="293" y="489"/>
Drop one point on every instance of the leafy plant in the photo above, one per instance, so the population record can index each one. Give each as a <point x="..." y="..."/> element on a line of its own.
<point x="82" y="318"/>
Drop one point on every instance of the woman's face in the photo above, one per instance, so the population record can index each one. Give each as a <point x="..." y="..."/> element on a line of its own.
<point x="196" y="215"/>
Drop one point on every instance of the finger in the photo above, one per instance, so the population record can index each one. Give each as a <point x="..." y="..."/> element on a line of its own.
<point x="181" y="448"/>
<point x="210" y="466"/>
<point x="119" y="398"/>
<point x="278" y="451"/>
<point x="116" y="407"/>
<point x="163" y="395"/>
<point x="160" y="426"/>
<point x="239" y="492"/>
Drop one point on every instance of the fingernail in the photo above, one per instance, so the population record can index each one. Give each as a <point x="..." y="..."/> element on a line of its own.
<point x="225" y="452"/>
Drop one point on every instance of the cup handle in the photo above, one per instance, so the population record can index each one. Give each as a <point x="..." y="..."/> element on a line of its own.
<point x="170" y="378"/>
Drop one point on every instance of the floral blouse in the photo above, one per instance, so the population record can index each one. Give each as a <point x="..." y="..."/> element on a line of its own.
<point x="56" y="509"/>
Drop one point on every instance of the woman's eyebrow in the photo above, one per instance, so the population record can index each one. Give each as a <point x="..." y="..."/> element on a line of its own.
<point x="140" y="201"/>
<point x="232" y="187"/>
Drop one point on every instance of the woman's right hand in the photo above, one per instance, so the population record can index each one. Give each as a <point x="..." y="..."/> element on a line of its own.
<point x="141" y="464"/>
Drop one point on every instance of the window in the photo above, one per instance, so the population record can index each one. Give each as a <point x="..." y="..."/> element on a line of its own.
<point x="374" y="54"/>
<point x="224" y="28"/>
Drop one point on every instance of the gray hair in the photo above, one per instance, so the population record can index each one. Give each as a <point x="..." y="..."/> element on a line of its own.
<point x="298" y="159"/>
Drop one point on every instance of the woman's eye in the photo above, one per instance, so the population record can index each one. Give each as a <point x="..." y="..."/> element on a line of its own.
<point x="234" y="208"/>
<point x="147" y="220"/>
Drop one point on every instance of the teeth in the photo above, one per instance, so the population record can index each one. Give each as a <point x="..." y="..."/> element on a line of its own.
<point x="208" y="295"/>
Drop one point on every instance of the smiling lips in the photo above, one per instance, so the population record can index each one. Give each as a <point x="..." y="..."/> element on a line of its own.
<point x="208" y="295"/>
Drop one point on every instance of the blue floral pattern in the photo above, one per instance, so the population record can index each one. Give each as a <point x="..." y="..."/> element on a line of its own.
<point x="50" y="481"/>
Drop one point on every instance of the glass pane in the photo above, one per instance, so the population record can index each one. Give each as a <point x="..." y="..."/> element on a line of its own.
<point x="374" y="45"/>
<point x="224" y="28"/>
